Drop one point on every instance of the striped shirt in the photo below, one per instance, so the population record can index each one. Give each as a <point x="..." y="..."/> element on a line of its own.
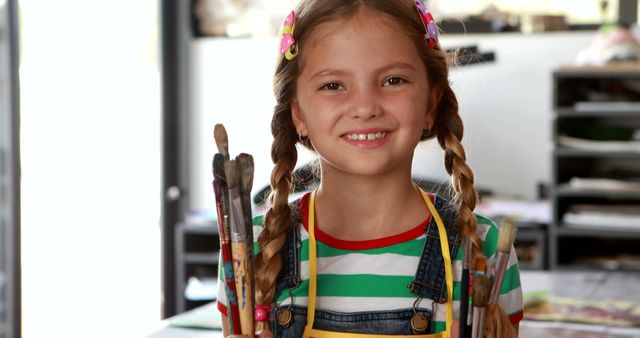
<point x="356" y="276"/>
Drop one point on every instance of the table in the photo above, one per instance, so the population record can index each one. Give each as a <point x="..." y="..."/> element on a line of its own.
<point x="589" y="285"/>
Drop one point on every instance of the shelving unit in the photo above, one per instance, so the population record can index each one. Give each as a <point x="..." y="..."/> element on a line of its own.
<point x="196" y="258"/>
<point x="596" y="168"/>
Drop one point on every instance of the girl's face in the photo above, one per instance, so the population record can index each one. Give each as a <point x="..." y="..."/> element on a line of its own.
<point x="362" y="96"/>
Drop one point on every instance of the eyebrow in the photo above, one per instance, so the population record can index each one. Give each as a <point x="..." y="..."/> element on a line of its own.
<point x="334" y="71"/>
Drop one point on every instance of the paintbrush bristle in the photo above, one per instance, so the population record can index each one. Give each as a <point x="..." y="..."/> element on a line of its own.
<point x="231" y="173"/>
<point x="246" y="171"/>
<point x="222" y="140"/>
<point x="481" y="289"/>
<point x="506" y="236"/>
<point x="480" y="264"/>
<point x="218" y="167"/>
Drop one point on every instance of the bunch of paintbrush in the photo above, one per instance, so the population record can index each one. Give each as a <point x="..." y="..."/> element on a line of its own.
<point x="233" y="179"/>
<point x="486" y="288"/>
<point x="470" y="273"/>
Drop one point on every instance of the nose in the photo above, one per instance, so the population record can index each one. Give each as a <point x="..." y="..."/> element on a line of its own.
<point x="365" y="105"/>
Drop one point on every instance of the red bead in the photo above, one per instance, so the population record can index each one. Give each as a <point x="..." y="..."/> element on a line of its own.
<point x="262" y="313"/>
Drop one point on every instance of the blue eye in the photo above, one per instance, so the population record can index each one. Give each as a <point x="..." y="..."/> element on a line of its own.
<point x="394" y="81"/>
<point x="331" y="86"/>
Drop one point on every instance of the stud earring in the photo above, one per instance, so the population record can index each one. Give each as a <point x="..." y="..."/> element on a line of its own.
<point x="303" y="139"/>
<point x="426" y="131"/>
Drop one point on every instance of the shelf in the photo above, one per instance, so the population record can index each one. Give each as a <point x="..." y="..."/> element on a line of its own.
<point x="563" y="112"/>
<point x="591" y="267"/>
<point x="209" y="258"/>
<point x="565" y="230"/>
<point x="565" y="190"/>
<point x="618" y="70"/>
<point x="570" y="152"/>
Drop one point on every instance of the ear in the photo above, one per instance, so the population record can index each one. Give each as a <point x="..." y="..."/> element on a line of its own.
<point x="432" y="106"/>
<point x="298" y="121"/>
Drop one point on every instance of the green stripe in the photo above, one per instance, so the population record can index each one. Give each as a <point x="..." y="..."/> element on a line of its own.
<point x="258" y="221"/>
<point x="456" y="290"/>
<point x="411" y="248"/>
<point x="459" y="253"/>
<point x="481" y="219"/>
<point x="358" y="286"/>
<point x="439" y="326"/>
<point x="511" y="280"/>
<point x="361" y="285"/>
<point x="490" y="244"/>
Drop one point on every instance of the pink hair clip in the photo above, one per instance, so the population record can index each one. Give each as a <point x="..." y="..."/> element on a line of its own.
<point x="288" y="45"/>
<point x="431" y="32"/>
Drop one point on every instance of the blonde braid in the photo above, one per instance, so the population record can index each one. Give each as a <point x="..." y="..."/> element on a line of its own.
<point x="268" y="262"/>
<point x="449" y="133"/>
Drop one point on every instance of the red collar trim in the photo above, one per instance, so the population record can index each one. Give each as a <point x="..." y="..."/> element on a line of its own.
<point x="359" y="245"/>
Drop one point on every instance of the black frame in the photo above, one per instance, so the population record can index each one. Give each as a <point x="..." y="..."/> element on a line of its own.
<point x="11" y="162"/>
<point x="628" y="12"/>
<point x="175" y="27"/>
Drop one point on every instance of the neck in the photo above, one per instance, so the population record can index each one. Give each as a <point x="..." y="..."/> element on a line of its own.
<point x="356" y="208"/>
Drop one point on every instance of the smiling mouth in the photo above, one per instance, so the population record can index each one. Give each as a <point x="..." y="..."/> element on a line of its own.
<point x="366" y="136"/>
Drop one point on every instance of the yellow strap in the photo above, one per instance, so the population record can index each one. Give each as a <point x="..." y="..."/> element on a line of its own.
<point x="314" y="333"/>
<point x="448" y="274"/>
<point x="311" y="306"/>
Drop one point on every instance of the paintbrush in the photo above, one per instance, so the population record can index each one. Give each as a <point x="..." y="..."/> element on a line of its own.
<point x="239" y="250"/>
<point x="480" y="266"/>
<point x="481" y="286"/>
<point x="222" y="140"/>
<point x="505" y="241"/>
<point x="479" y="269"/>
<point x="222" y="205"/>
<point x="245" y="161"/>
<point x="464" y="288"/>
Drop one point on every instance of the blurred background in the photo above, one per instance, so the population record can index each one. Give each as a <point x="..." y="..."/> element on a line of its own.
<point x="107" y="110"/>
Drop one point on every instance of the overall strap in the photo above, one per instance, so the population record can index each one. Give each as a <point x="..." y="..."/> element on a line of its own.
<point x="444" y="244"/>
<point x="289" y="276"/>
<point x="429" y="281"/>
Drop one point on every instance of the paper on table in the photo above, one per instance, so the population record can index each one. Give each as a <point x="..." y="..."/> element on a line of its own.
<point x="201" y="288"/>
<point x="204" y="317"/>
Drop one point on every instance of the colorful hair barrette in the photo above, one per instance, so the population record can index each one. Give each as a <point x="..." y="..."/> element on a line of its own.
<point x="431" y="32"/>
<point x="288" y="45"/>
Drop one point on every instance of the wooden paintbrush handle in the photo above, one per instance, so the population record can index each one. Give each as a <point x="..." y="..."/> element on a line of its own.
<point x="233" y="316"/>
<point x="243" y="286"/>
<point x="502" y="259"/>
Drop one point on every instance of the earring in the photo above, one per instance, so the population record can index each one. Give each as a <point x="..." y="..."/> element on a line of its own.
<point x="303" y="139"/>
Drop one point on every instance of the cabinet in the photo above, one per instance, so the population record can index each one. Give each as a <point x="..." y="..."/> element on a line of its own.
<point x="596" y="168"/>
<point x="196" y="257"/>
<point x="531" y="246"/>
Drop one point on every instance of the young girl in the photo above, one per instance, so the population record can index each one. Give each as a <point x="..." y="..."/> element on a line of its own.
<point x="361" y="83"/>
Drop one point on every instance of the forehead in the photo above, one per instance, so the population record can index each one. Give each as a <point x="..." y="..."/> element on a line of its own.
<point x="371" y="33"/>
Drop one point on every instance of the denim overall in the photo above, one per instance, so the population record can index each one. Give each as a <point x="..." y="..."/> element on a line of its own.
<point x="429" y="282"/>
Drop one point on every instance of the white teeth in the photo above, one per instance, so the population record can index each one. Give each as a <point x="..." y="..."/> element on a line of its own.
<point x="368" y="137"/>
